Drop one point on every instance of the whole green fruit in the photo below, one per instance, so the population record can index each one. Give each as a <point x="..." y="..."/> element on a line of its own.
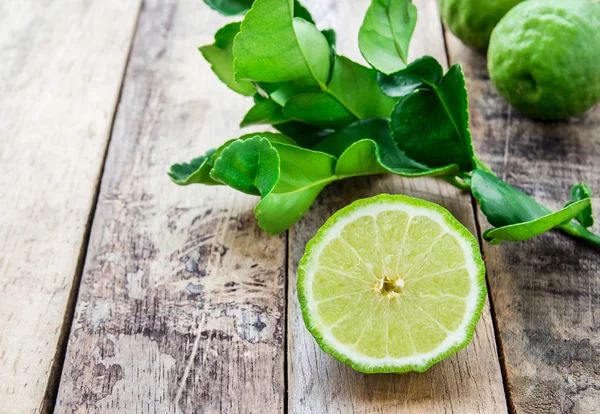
<point x="472" y="21"/>
<point x="544" y="57"/>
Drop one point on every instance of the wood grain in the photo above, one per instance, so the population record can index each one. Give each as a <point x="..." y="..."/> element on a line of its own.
<point x="546" y="291"/>
<point x="61" y="68"/>
<point x="181" y="307"/>
<point x="469" y="381"/>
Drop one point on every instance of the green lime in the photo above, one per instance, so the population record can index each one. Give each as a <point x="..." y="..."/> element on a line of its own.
<point x="392" y="284"/>
<point x="472" y="21"/>
<point x="544" y="57"/>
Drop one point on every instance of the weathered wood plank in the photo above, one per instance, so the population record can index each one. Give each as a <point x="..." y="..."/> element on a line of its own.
<point x="61" y="68"/>
<point x="181" y="307"/>
<point x="546" y="291"/>
<point x="468" y="382"/>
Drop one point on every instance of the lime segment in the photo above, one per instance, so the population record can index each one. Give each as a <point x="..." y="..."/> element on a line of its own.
<point x="392" y="284"/>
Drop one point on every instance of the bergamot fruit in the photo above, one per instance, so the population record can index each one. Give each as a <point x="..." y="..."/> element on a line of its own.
<point x="392" y="284"/>
<point x="472" y="21"/>
<point x="544" y="57"/>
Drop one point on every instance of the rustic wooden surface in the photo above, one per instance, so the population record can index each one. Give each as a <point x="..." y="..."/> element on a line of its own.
<point x="184" y="305"/>
<point x="181" y="305"/>
<point x="60" y="76"/>
<point x="468" y="382"/>
<point x="546" y="291"/>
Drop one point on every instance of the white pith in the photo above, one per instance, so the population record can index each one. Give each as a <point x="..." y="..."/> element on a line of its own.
<point x="471" y="300"/>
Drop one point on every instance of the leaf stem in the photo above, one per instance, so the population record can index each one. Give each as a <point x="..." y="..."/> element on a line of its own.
<point x="458" y="183"/>
<point x="578" y="230"/>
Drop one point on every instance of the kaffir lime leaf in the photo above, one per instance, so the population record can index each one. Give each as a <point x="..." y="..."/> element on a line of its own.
<point x="544" y="57"/>
<point x="392" y="284"/>
<point x="472" y="21"/>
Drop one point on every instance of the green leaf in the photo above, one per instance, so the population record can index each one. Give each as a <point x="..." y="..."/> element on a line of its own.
<point x="515" y="215"/>
<point x="195" y="172"/>
<point x="317" y="108"/>
<point x="198" y="170"/>
<point x="385" y="34"/>
<point x="582" y="191"/>
<point x="503" y="204"/>
<point x="352" y="93"/>
<point x="418" y="74"/>
<point x="273" y="46"/>
<point x="220" y="56"/>
<point x="301" y="12"/>
<point x="234" y="7"/>
<point x="265" y="111"/>
<point x="307" y="136"/>
<point x="250" y="166"/>
<point x="281" y="92"/>
<point x="331" y="39"/>
<point x="230" y="7"/>
<point x="377" y="129"/>
<point x="529" y="229"/>
<point x="431" y="125"/>
<point x="356" y="88"/>
<point x="366" y="147"/>
<point x="360" y="158"/>
<point x="287" y="177"/>
<point x="303" y="174"/>
<point x="271" y="136"/>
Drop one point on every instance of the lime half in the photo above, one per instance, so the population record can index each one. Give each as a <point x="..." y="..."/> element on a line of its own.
<point x="392" y="284"/>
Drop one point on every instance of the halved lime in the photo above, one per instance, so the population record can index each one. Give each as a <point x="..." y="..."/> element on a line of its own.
<point x="392" y="284"/>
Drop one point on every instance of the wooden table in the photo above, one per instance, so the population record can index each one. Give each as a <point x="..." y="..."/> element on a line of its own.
<point x="120" y="292"/>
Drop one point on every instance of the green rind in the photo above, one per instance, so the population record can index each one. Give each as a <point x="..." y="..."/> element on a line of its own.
<point x="391" y="368"/>
<point x="472" y="21"/>
<point x="544" y="58"/>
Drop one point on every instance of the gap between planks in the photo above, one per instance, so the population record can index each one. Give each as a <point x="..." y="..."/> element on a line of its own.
<point x="51" y="394"/>
<point x="286" y="346"/>
<point x="62" y="86"/>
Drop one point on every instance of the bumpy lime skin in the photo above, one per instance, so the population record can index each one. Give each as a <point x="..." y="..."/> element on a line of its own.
<point x="544" y="57"/>
<point x="472" y="21"/>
